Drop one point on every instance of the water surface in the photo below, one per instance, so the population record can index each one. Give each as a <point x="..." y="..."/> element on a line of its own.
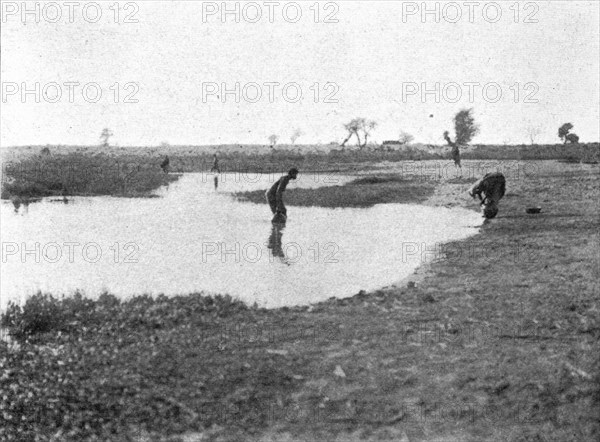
<point x="196" y="238"/>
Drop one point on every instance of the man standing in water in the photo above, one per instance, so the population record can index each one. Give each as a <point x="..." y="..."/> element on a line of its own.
<point x="275" y="195"/>
<point x="493" y="187"/>
<point x="215" y="166"/>
<point x="216" y="170"/>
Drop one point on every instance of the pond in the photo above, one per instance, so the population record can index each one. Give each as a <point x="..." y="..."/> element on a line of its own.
<point x="197" y="238"/>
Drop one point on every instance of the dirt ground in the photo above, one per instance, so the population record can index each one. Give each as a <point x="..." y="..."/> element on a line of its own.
<point x="495" y="338"/>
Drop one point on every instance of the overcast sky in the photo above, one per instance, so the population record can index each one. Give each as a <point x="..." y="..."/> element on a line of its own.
<point x="373" y="62"/>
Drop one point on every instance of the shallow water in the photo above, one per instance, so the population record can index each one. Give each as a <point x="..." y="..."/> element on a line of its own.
<point x="196" y="238"/>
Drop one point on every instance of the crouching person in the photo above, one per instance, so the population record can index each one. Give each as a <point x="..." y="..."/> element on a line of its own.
<point x="275" y="194"/>
<point x="490" y="189"/>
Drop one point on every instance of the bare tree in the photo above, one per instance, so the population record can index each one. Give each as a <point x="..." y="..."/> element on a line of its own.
<point x="273" y="140"/>
<point x="297" y="134"/>
<point x="533" y="132"/>
<point x="356" y="126"/>
<point x="352" y="127"/>
<point x="368" y="126"/>
<point x="405" y="138"/>
<point x="105" y="135"/>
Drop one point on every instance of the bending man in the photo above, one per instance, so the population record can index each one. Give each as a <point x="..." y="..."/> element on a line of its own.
<point x="493" y="187"/>
<point x="275" y="193"/>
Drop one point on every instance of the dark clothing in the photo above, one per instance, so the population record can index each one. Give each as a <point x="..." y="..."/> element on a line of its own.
<point x="275" y="195"/>
<point x="215" y="166"/>
<point x="165" y="165"/>
<point x="456" y="155"/>
<point x="492" y="186"/>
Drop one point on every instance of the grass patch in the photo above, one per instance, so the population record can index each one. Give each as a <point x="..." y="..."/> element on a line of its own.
<point x="361" y="192"/>
<point x="82" y="175"/>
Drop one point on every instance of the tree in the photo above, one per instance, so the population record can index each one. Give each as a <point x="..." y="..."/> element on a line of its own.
<point x="357" y="125"/>
<point x="572" y="138"/>
<point x="405" y="138"/>
<point x="297" y="134"/>
<point x="273" y="140"/>
<point x="105" y="135"/>
<point x="465" y="127"/>
<point x="352" y="128"/>
<point x="533" y="132"/>
<point x="367" y="127"/>
<point x="563" y="134"/>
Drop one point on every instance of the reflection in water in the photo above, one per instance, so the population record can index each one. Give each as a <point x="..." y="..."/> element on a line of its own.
<point x="275" y="241"/>
<point x="18" y="203"/>
<point x="216" y="182"/>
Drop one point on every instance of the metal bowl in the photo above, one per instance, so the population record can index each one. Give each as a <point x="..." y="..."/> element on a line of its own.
<point x="533" y="210"/>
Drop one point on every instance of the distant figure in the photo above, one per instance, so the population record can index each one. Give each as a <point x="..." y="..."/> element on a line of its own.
<point x="215" y="166"/>
<point x="165" y="164"/>
<point x="275" y="195"/>
<point x="493" y="187"/>
<point x="455" y="151"/>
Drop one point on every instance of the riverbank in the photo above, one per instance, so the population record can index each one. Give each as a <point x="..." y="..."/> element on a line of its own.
<point x="497" y="340"/>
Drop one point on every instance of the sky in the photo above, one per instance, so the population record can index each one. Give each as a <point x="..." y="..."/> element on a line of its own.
<point x="156" y="71"/>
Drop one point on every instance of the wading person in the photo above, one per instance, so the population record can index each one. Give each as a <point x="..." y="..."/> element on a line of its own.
<point x="215" y="166"/>
<point x="216" y="170"/>
<point x="275" y="195"/>
<point x="492" y="186"/>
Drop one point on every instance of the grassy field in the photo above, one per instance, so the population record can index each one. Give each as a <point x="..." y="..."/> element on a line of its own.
<point x="135" y="171"/>
<point x="496" y="339"/>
